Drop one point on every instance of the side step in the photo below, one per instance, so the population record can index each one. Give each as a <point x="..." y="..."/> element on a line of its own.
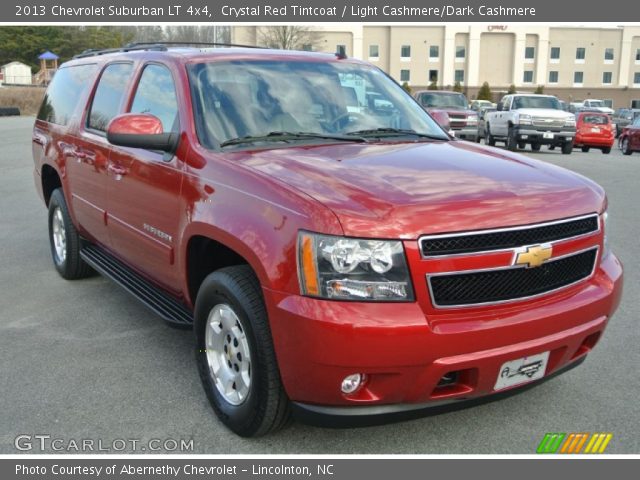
<point x="172" y="311"/>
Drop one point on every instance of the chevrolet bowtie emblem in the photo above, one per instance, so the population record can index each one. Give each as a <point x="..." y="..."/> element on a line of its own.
<point x="534" y="255"/>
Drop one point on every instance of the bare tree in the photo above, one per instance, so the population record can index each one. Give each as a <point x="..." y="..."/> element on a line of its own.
<point x="288" y="37"/>
<point x="194" y="33"/>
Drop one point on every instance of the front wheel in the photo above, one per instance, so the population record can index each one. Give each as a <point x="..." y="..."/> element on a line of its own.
<point x="535" y="147"/>
<point x="491" y="140"/>
<point x="606" y="150"/>
<point x="64" y="240"/>
<point x="235" y="354"/>
<point x="626" y="149"/>
<point x="512" y="142"/>
<point x="585" y="149"/>
<point x="567" y="148"/>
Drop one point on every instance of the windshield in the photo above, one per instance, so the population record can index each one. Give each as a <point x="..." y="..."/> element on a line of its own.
<point x="253" y="98"/>
<point x="537" y="102"/>
<point x="596" y="103"/>
<point x="443" y="100"/>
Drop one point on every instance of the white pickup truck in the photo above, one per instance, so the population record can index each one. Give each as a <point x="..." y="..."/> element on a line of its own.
<point x="533" y="119"/>
<point x="597" y="105"/>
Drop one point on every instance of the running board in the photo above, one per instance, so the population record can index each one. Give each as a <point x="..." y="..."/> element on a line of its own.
<point x="172" y="311"/>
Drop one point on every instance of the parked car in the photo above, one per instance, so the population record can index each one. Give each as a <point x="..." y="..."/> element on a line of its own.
<point x="334" y="264"/>
<point x="479" y="105"/>
<point x="522" y="119"/>
<point x="629" y="140"/>
<point x="482" y="124"/>
<point x="464" y="121"/>
<point x="594" y="130"/>
<point x="599" y="105"/>
<point x="623" y="117"/>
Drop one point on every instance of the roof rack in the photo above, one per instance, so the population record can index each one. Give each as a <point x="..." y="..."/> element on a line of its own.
<point x="157" y="46"/>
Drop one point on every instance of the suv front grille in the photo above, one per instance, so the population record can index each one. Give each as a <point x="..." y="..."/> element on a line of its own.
<point x="510" y="283"/>
<point x="473" y="242"/>
<point x="547" y="122"/>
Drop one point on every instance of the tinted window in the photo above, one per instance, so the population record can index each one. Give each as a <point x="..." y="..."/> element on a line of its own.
<point x="156" y="94"/>
<point x="108" y="96"/>
<point x="444" y="100"/>
<point x="64" y="93"/>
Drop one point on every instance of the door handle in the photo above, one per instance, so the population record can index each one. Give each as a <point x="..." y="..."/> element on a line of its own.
<point x="117" y="170"/>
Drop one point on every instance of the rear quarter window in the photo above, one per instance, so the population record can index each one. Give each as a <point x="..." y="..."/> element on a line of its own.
<point x="64" y="93"/>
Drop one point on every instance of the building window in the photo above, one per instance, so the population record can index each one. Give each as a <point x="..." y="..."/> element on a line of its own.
<point x="636" y="78"/>
<point x="528" y="76"/>
<point x="433" y="76"/>
<point x="434" y="52"/>
<point x="530" y="53"/>
<point x="460" y="53"/>
<point x="405" y="51"/>
<point x="580" y="54"/>
<point x="555" y="53"/>
<point x="578" y="78"/>
<point x="638" y="55"/>
<point x="307" y="47"/>
<point x="459" y="77"/>
<point x="341" y="49"/>
<point x="553" y="76"/>
<point x="607" y="102"/>
<point x="607" y="78"/>
<point x="405" y="75"/>
<point x="608" y="55"/>
<point x="374" y="51"/>
<point x="635" y="103"/>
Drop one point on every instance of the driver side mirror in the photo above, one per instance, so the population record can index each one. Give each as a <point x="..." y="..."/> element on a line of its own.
<point x="141" y="131"/>
<point x="499" y="107"/>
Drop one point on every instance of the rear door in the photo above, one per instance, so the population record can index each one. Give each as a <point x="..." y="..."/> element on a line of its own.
<point x="88" y="156"/>
<point x="144" y="187"/>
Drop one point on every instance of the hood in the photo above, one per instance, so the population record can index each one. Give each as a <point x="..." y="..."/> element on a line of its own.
<point x="407" y="190"/>
<point x="452" y="110"/>
<point x="545" y="113"/>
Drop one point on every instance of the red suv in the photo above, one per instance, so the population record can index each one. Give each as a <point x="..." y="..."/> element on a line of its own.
<point x="629" y="140"/>
<point x="337" y="257"/>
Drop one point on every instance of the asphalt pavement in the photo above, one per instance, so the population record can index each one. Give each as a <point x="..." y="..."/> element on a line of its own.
<point x="82" y="360"/>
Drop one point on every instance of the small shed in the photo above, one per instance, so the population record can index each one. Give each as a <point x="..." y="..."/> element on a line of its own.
<point x="48" y="67"/>
<point x="16" y="73"/>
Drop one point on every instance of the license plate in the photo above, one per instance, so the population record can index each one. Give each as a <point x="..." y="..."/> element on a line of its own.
<point x="595" y="130"/>
<point x="522" y="370"/>
<point x="547" y="135"/>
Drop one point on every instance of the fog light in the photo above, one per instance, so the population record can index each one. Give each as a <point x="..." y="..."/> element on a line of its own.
<point x="524" y="137"/>
<point x="351" y="383"/>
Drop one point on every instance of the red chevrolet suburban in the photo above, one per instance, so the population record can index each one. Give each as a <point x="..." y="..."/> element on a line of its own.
<point x="338" y="257"/>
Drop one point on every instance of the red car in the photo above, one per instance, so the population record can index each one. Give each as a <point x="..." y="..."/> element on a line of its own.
<point x="594" y="130"/>
<point x="629" y="139"/>
<point x="337" y="257"/>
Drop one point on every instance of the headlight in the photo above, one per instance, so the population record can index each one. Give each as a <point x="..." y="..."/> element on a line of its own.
<point x="605" y="247"/>
<point x="472" y="120"/>
<point x="353" y="269"/>
<point x="570" y="122"/>
<point x="524" y="119"/>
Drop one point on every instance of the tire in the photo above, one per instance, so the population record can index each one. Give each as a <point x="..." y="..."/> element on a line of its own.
<point x="256" y="403"/>
<point x="522" y="145"/>
<point x="535" y="147"/>
<point x="567" y="148"/>
<point x="606" y="150"/>
<point x="491" y="140"/>
<point x="64" y="240"/>
<point x="511" y="142"/>
<point x="626" y="150"/>
<point x="552" y="147"/>
<point x="585" y="149"/>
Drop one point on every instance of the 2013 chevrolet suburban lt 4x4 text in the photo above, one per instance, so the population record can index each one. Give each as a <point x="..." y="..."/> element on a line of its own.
<point x="339" y="256"/>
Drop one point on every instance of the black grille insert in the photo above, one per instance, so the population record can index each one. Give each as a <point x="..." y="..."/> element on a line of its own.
<point x="511" y="283"/>
<point x="501" y="239"/>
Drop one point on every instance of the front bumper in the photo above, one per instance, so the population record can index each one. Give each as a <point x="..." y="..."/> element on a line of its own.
<point x="466" y="133"/>
<point x="544" y="137"/>
<point x="405" y="353"/>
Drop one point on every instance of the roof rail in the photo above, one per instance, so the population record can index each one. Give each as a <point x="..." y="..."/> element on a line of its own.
<point x="92" y="52"/>
<point x="193" y="44"/>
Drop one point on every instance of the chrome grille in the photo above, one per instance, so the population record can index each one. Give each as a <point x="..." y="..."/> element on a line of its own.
<point x="547" y="122"/>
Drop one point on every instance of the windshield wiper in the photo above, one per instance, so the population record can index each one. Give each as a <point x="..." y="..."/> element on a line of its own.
<point x="394" y="132"/>
<point x="288" y="136"/>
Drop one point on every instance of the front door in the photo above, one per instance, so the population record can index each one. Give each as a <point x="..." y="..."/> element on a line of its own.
<point x="143" y="188"/>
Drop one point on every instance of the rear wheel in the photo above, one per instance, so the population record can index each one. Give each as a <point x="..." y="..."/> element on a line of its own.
<point x="626" y="149"/>
<point x="606" y="150"/>
<point x="511" y="143"/>
<point x="567" y="148"/>
<point x="235" y="354"/>
<point x="64" y="240"/>
<point x="585" y="149"/>
<point x="535" y="147"/>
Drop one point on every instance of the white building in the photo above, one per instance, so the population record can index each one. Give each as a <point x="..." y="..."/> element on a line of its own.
<point x="16" y="73"/>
